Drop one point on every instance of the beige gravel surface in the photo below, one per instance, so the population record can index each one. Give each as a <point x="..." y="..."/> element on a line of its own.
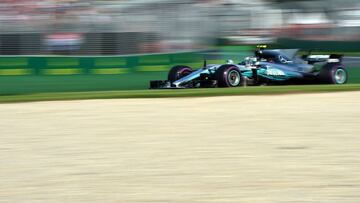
<point x="288" y="148"/>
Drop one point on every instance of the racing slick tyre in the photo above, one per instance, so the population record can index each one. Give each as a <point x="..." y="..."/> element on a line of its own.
<point x="228" y="76"/>
<point x="333" y="74"/>
<point x="178" y="72"/>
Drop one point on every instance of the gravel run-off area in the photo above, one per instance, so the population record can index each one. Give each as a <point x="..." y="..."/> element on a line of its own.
<point x="283" y="148"/>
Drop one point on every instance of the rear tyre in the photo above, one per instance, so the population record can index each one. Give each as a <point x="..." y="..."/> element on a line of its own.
<point x="178" y="72"/>
<point x="333" y="74"/>
<point x="228" y="76"/>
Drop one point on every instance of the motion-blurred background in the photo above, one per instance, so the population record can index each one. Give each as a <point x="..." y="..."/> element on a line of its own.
<point x="93" y="45"/>
<point x="94" y="27"/>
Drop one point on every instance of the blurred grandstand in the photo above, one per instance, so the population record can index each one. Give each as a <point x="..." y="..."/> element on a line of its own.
<point x="99" y="27"/>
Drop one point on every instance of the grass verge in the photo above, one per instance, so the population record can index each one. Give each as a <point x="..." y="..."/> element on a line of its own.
<point x="262" y="90"/>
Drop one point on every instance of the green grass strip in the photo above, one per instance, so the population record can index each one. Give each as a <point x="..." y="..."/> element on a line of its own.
<point x="262" y="90"/>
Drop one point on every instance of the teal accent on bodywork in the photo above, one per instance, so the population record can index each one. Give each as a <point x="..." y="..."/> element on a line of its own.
<point x="247" y="73"/>
<point x="262" y="73"/>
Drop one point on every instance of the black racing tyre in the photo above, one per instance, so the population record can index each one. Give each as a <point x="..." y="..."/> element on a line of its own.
<point x="228" y="76"/>
<point x="178" y="72"/>
<point x="333" y="74"/>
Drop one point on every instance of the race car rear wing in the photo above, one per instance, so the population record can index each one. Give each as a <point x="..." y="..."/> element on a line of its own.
<point x="332" y="58"/>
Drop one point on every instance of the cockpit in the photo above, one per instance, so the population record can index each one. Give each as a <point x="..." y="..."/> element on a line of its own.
<point x="272" y="56"/>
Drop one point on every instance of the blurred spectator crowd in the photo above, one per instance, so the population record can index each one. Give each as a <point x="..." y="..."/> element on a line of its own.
<point x="168" y="25"/>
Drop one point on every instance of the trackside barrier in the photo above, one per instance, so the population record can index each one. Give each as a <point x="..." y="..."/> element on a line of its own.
<point x="98" y="65"/>
<point x="35" y="74"/>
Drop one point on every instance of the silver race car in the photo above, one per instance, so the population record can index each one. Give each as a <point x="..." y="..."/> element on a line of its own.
<point x="265" y="67"/>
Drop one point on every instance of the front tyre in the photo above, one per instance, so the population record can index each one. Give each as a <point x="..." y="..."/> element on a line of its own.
<point x="333" y="74"/>
<point x="228" y="76"/>
<point x="178" y="72"/>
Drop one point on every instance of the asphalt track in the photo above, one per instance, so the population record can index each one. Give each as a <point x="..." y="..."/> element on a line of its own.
<point x="352" y="62"/>
<point x="284" y="148"/>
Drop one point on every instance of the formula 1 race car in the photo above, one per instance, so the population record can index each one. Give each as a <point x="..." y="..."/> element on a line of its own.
<point x="277" y="66"/>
